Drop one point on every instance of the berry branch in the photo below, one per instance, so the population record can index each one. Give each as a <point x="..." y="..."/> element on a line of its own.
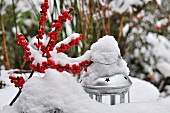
<point x="50" y="55"/>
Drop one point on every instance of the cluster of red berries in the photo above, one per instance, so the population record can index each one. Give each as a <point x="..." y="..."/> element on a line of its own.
<point x="44" y="8"/>
<point x="74" y="68"/>
<point x="38" y="45"/>
<point x="53" y="35"/>
<point x="85" y="64"/>
<point x="18" y="81"/>
<point x="39" y="68"/>
<point x="57" y="25"/>
<point x="23" y="42"/>
<point x="62" y="18"/>
<point x="43" y="18"/>
<point x="65" y="47"/>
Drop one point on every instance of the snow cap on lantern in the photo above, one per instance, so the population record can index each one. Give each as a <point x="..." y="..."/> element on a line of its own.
<point x="107" y="60"/>
<point x="108" y="51"/>
<point x="107" y="44"/>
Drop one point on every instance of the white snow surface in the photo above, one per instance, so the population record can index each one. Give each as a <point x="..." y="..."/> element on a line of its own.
<point x="68" y="39"/>
<point x="60" y="90"/>
<point x="36" y="55"/>
<point x="6" y="95"/>
<point x="142" y="91"/>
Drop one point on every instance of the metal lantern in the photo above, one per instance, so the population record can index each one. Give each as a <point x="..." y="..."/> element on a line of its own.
<point x="117" y="84"/>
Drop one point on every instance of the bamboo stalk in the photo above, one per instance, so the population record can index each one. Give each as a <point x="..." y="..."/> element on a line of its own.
<point x="4" y="43"/>
<point x="120" y="28"/>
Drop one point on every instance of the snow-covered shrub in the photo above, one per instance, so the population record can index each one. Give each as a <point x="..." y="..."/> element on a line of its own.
<point x="148" y="51"/>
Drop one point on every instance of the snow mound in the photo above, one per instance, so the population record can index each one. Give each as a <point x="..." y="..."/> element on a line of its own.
<point x="44" y="94"/>
<point x="61" y="91"/>
<point x="142" y="91"/>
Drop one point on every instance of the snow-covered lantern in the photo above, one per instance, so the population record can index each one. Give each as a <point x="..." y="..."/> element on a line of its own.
<point x="108" y="74"/>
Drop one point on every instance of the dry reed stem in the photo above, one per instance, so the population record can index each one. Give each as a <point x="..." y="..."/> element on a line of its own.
<point x="108" y="23"/>
<point x="23" y="64"/>
<point x="4" y="43"/>
<point x="120" y="28"/>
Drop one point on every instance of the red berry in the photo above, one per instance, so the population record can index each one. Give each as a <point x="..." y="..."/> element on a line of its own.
<point x="71" y="8"/>
<point x="158" y="27"/>
<point x="12" y="77"/>
<point x="11" y="81"/>
<point x="85" y="69"/>
<point x="60" y="70"/>
<point x="74" y="71"/>
<point x="67" y="66"/>
<point x="74" y="65"/>
<point x="82" y="63"/>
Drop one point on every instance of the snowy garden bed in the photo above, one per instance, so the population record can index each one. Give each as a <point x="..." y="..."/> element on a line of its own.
<point x="61" y="91"/>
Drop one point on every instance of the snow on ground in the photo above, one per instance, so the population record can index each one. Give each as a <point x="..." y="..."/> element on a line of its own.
<point x="60" y="90"/>
<point x="6" y="95"/>
<point x="142" y="91"/>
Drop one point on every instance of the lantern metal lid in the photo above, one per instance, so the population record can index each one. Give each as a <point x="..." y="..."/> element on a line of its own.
<point x="117" y="84"/>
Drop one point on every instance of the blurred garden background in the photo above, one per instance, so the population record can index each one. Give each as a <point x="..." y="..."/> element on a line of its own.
<point x="141" y="28"/>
